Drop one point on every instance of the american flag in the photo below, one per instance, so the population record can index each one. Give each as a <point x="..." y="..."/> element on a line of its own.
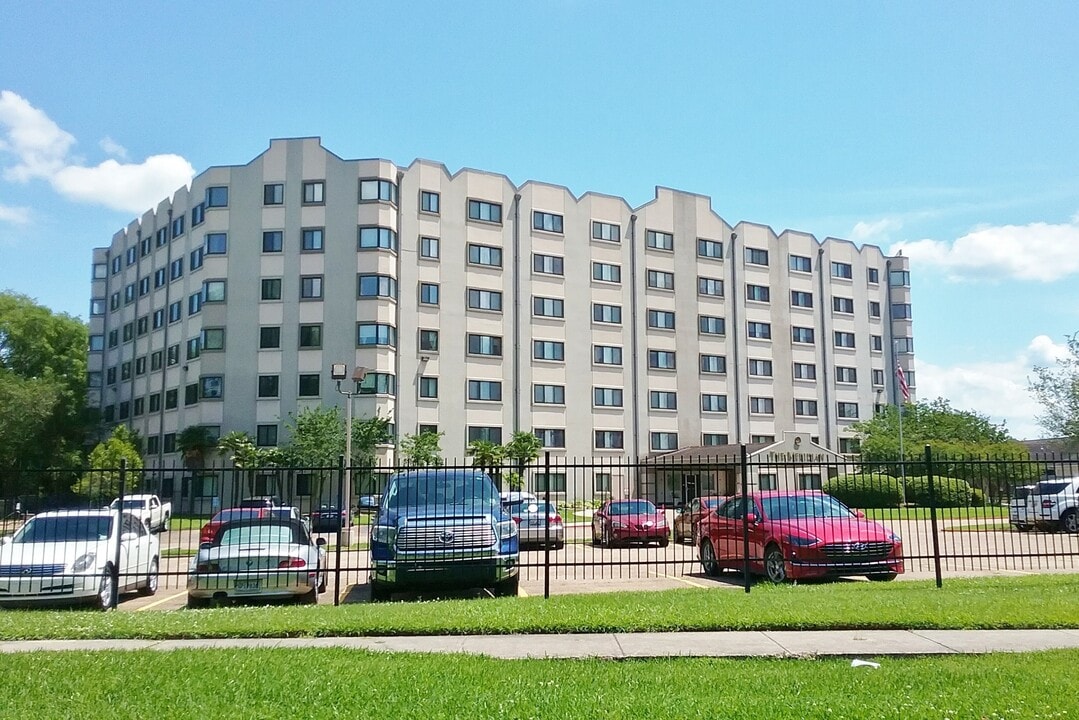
<point x="902" y="378"/>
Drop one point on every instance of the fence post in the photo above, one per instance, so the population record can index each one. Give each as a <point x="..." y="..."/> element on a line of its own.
<point x="119" y="529"/>
<point x="933" y="514"/>
<point x="547" y="527"/>
<point x="745" y="517"/>
<point x="347" y="523"/>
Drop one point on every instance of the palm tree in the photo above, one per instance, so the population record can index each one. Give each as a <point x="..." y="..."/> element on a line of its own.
<point x="194" y="441"/>
<point x="486" y="455"/>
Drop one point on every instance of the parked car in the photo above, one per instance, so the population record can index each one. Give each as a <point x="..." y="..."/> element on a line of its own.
<point x="1021" y="510"/>
<point x="795" y="535"/>
<point x="369" y="503"/>
<point x="443" y="529"/>
<point x="67" y="556"/>
<point x="327" y="519"/>
<point x="206" y="534"/>
<point x="266" y="501"/>
<point x="685" y="523"/>
<point x="149" y="508"/>
<point x="538" y="523"/>
<point x="258" y="557"/>
<point x="1056" y="504"/>
<point x="627" y="521"/>
<point x="511" y="497"/>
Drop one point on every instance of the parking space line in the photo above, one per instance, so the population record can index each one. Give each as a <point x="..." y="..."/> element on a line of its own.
<point x="155" y="603"/>
<point x="682" y="580"/>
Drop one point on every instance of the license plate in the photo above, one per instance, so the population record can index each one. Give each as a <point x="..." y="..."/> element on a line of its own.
<point x="246" y="585"/>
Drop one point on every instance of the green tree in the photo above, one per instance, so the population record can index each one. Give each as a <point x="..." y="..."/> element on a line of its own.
<point x="1057" y="390"/>
<point x="486" y="454"/>
<point x="523" y="448"/>
<point x="101" y="482"/>
<point x="367" y="435"/>
<point x="422" y="450"/>
<point x="247" y="457"/>
<point x="316" y="438"/>
<point x="195" y="442"/>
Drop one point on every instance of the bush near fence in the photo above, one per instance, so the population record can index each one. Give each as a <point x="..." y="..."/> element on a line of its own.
<point x="865" y="490"/>
<point x="947" y="492"/>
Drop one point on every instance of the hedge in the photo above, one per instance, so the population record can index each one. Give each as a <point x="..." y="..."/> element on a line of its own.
<point x="948" y="491"/>
<point x="868" y="490"/>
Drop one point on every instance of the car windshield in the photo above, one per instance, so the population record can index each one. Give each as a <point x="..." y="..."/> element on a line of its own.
<point x="709" y="503"/>
<point x="793" y="507"/>
<point x="66" y="528"/>
<point x="256" y="534"/>
<point x="632" y="507"/>
<point x="1049" y="487"/>
<point x="128" y="504"/>
<point x="442" y="489"/>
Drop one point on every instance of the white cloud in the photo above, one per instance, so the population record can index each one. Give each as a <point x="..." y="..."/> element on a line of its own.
<point x="41" y="150"/>
<point x="877" y="230"/>
<point x="14" y="215"/>
<point x="998" y="390"/>
<point x="1040" y="252"/>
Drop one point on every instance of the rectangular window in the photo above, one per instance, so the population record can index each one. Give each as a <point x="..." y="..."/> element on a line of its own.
<point x="602" y="313"/>
<point x="194" y="345"/>
<point x="269" y="386"/>
<point x="847" y="410"/>
<point x="899" y="278"/>
<point x="272" y="241"/>
<point x="659" y="240"/>
<point x="158" y="318"/>
<point x="549" y="394"/>
<point x="428" y="341"/>
<point x="155" y="402"/>
<point x="429" y="248"/>
<point x="548" y="350"/>
<point x="760" y="368"/>
<point x="217" y="243"/>
<point x="842" y="270"/>
<point x="217" y="197"/>
<point x="486" y="390"/>
<point x="176" y="311"/>
<point x="172" y="399"/>
<point x="606" y="231"/>
<point x="490" y="434"/>
<point x="159" y="277"/>
<point x="198" y="214"/>
<point x="606" y="355"/>
<point x="609" y="440"/>
<point x="118" y="262"/>
<point x="129" y="293"/>
<point x="661" y="319"/>
<point x="759" y="330"/>
<point x="548" y="222"/>
<point x="311" y="287"/>
<point x="709" y="249"/>
<point x="311" y="239"/>
<point x="146" y="246"/>
<point x="314" y="192"/>
<point x="876" y="343"/>
<point x="660" y="280"/>
<point x="761" y="406"/>
<point x="194" y="260"/>
<point x="711" y="325"/>
<point x="484" y="255"/>
<point x="805" y="408"/>
<point x="429" y="387"/>
<point x="664" y="441"/>
<point x="661" y="359"/>
<point x="273" y="194"/>
<point x="547" y="264"/>
<point x="375" y="189"/>
<point x="213" y="291"/>
<point x="213" y="339"/>
<point x="878" y="377"/>
<point x="757" y="293"/>
<point x="172" y="355"/>
<point x="901" y="311"/>
<point x="309" y="385"/>
<point x="101" y="271"/>
<point x="194" y="303"/>
<point x="485" y="211"/>
<point x="802" y="335"/>
<point x="713" y="439"/>
<point x="429" y="201"/>
<point x="125" y="370"/>
<point x="547" y="307"/>
<point x="484" y="300"/>
<point x="607" y="397"/>
<point x="132" y="255"/>
<point x="114" y="301"/>
<point x="713" y="364"/>
<point x="904" y="345"/>
<point x="800" y="298"/>
<point x="552" y="438"/>
<point x="800" y="263"/>
<point x="711" y="402"/>
<point x="844" y="339"/>
<point x="269" y="338"/>
<point x="489" y="345"/>
<point x="873" y="276"/>
<point x="601" y="482"/>
<point x="606" y="272"/>
<point x="874" y="309"/>
<point x="846" y="374"/>
<point x="376" y="286"/>
<point x="756" y="256"/>
<point x="376" y="334"/>
<point x="843" y="305"/>
<point x="805" y="371"/>
<point x="176" y="269"/>
<point x="310" y="336"/>
<point x="271" y="288"/>
<point x="144" y="287"/>
<point x="376" y="238"/>
<point x="710" y="286"/>
<point x="662" y="400"/>
<point x="428" y="293"/>
<point x="142" y="326"/>
<point x="156" y="359"/>
<point x="211" y="387"/>
<point x="266" y="436"/>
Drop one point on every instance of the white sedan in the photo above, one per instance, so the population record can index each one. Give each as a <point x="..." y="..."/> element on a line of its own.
<point x="67" y="556"/>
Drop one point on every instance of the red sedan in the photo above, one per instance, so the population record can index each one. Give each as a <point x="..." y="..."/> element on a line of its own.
<point x="795" y="535"/>
<point x="228" y="514"/>
<point x="626" y="521"/>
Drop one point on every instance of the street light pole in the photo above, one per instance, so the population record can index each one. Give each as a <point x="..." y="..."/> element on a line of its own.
<point x="339" y="371"/>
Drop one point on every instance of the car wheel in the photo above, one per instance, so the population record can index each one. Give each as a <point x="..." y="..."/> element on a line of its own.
<point x="607" y="540"/>
<point x="558" y="546"/>
<point x="150" y="587"/>
<point x="165" y="525"/>
<point x="308" y="598"/>
<point x="883" y="577"/>
<point x="322" y="578"/>
<point x="379" y="593"/>
<point x="105" y="591"/>
<point x="775" y="566"/>
<point x="709" y="563"/>
<point x="508" y="587"/>
<point x="1023" y="528"/>
<point x="596" y="538"/>
<point x="1069" y="522"/>
<point x="664" y="541"/>
<point x="194" y="603"/>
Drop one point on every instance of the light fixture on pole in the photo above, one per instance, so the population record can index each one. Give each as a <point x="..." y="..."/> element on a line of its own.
<point x="338" y="372"/>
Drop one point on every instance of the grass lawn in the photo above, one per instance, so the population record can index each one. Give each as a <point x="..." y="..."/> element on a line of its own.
<point x="328" y="683"/>
<point x="1037" y="601"/>
<point x="921" y="513"/>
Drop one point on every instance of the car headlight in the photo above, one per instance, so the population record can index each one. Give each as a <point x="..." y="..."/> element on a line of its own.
<point x="84" y="563"/>
<point x="385" y="534"/>
<point x="802" y="541"/>
<point x="895" y="538"/>
<point x="617" y="524"/>
<point x="506" y="528"/>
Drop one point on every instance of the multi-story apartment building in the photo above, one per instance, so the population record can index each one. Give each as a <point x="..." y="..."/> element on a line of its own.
<point x="479" y="307"/>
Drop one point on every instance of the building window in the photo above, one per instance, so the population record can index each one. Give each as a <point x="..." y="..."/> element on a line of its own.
<point x="372" y="334"/>
<point x="713" y="364"/>
<point x="194" y="260"/>
<point x="551" y="438"/>
<point x="428" y="293"/>
<point x="490" y="434"/>
<point x="428" y="340"/>
<point x="213" y="339"/>
<point x="711" y="402"/>
<point x="484" y="255"/>
<point x="144" y="287"/>
<point x="213" y="291"/>
<point x="146" y="246"/>
<point x="756" y="256"/>
<point x="172" y="399"/>
<point x="485" y="211"/>
<point x="311" y="240"/>
<point x="377" y="238"/>
<point x="767" y="481"/>
<point x="311" y="287"/>
<point x="489" y="345"/>
<point x="659" y="240"/>
<point x="548" y="350"/>
<point x="606" y="355"/>
<point x="800" y="298"/>
<point x="843" y="305"/>
<point x="805" y="408"/>
<point x="607" y="272"/>
<point x="547" y="307"/>
<point x="217" y="243"/>
<point x="125" y="368"/>
<point x="606" y="231"/>
<point x="176" y="311"/>
<point x="376" y="286"/>
<point x="429" y="248"/>
<point x="310" y="336"/>
<point x="662" y="400"/>
<point x="664" y="441"/>
<point x="271" y="288"/>
<point x="661" y="359"/>
<point x="156" y="359"/>
<point x="548" y="222"/>
<point x="194" y="345"/>
<point x="314" y="192"/>
<point x="198" y="214"/>
<point x="713" y="439"/>
<point x="609" y="440"/>
<point x="194" y="304"/>
<point x="547" y="264"/>
<point x="899" y="278"/>
<point x="844" y="339"/>
<point x="176" y="269"/>
<point x="759" y="330"/>
<point x="847" y="410"/>
<point x="373" y="190"/>
<point x="802" y="335"/>
<point x="129" y="293"/>
<point x="118" y="262"/>
<point x="805" y="371"/>
<point x="172" y="355"/>
<point x="878" y="378"/>
<point x="155" y="404"/>
<point x="846" y="374"/>
<point x="901" y="311"/>
<point x="660" y="280"/>
<point x="309" y="385"/>
<point x="904" y="345"/>
<point x="760" y="368"/>
<point x="266" y="436"/>
<point x="873" y="276"/>
<point x="484" y="300"/>
<point x="607" y="397"/>
<point x="379" y="383"/>
<point x="217" y="197"/>
<point x="711" y="325"/>
<point x="549" y="394"/>
<point x="429" y="201"/>
<point x="97" y="343"/>
<point x="269" y="386"/>
<point x="876" y="343"/>
<point x="486" y="390"/>
<point x="842" y="270"/>
<point x="159" y="277"/>
<point x="132" y="255"/>
<point x="757" y="293"/>
<point x="601" y="482"/>
<point x="602" y="313"/>
<point x="269" y="338"/>
<point x="800" y="263"/>
<point x="272" y="241"/>
<point x="97" y="306"/>
<point x="661" y="319"/>
<point x="874" y="309"/>
<point x="100" y="271"/>
<point x="273" y="194"/>
<point x="761" y="406"/>
<point x="709" y="249"/>
<point x="211" y="387"/>
<point x="429" y="387"/>
<point x="710" y="286"/>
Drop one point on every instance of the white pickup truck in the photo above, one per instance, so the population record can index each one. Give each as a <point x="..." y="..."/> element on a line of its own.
<point x="149" y="508"/>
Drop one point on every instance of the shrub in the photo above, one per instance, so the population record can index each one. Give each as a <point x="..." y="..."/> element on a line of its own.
<point x="949" y="492"/>
<point x="977" y="497"/>
<point x="865" y="490"/>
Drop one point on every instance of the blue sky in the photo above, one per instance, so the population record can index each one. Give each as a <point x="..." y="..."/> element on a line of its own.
<point x="947" y="130"/>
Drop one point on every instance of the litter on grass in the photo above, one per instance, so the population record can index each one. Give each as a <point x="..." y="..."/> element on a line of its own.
<point x="864" y="663"/>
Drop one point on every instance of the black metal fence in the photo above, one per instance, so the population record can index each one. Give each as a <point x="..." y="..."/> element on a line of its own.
<point x="583" y="522"/>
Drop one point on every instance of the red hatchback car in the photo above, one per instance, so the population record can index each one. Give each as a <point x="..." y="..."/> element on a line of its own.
<point x="795" y="535"/>
<point x="625" y="521"/>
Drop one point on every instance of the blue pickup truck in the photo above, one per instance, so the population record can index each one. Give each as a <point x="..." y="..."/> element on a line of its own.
<point x="443" y="529"/>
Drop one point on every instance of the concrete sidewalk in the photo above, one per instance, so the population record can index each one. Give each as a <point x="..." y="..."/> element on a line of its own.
<point x="779" y="644"/>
